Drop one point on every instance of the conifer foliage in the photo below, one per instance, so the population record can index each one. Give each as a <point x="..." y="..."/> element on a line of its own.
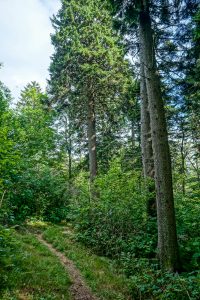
<point x="88" y="70"/>
<point x="110" y="151"/>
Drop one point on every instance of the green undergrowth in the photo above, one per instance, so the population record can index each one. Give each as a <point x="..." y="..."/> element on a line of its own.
<point x="144" y="280"/>
<point x="30" y="271"/>
<point x="99" y="272"/>
<point x="116" y="225"/>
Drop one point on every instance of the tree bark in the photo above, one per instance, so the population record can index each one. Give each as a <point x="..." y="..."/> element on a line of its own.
<point x="133" y="135"/>
<point x="167" y="236"/>
<point x="68" y="142"/>
<point x="91" y="132"/>
<point x="183" y="159"/>
<point x="146" y="141"/>
<point x="69" y="150"/>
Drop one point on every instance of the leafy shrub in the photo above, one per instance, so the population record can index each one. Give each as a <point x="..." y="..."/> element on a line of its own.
<point x="188" y="224"/>
<point x="41" y="191"/>
<point x="6" y="253"/>
<point x="148" y="283"/>
<point x="116" y="225"/>
<point x="116" y="222"/>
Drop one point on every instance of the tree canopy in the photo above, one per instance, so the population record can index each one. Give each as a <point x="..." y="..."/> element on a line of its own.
<point x="109" y="151"/>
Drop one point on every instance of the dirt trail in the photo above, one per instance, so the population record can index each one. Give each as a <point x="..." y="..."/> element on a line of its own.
<point x="79" y="289"/>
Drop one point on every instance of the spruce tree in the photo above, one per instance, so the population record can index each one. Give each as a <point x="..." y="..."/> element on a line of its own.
<point x="137" y="15"/>
<point x="88" y="71"/>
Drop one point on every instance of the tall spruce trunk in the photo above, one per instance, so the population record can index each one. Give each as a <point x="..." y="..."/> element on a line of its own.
<point x="91" y="133"/>
<point x="146" y="141"/>
<point x="167" y="236"/>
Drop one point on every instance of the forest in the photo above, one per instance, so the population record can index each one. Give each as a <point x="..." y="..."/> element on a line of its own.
<point x="100" y="173"/>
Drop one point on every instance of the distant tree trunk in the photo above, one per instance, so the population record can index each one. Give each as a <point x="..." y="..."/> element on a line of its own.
<point x="68" y="142"/>
<point x="133" y="135"/>
<point x="70" y="159"/>
<point x="146" y="141"/>
<point x="167" y="236"/>
<point x="183" y="159"/>
<point x="91" y="132"/>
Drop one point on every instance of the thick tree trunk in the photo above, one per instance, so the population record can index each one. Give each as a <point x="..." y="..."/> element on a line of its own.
<point x="167" y="236"/>
<point x="91" y="132"/>
<point x="146" y="141"/>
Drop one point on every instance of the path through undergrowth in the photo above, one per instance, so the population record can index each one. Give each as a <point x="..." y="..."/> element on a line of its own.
<point x="48" y="263"/>
<point x="79" y="289"/>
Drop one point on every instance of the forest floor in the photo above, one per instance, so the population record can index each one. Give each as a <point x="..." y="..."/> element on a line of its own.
<point x="78" y="289"/>
<point x="49" y="264"/>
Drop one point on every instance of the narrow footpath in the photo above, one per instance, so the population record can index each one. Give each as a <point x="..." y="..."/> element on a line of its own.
<point x="79" y="290"/>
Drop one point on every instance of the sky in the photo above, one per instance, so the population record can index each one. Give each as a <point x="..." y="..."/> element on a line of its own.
<point x="26" y="48"/>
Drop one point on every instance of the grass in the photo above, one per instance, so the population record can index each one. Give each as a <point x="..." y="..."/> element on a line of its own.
<point x="99" y="272"/>
<point x="33" y="273"/>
